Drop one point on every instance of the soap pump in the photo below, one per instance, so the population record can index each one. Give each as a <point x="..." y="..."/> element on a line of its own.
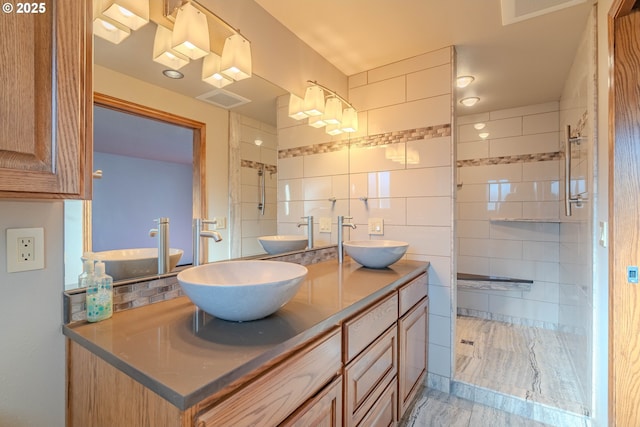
<point x="85" y="279"/>
<point x="100" y="295"/>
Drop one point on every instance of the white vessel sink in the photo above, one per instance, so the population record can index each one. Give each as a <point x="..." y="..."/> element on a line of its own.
<point x="280" y="244"/>
<point x="124" y="264"/>
<point x="242" y="290"/>
<point x="375" y="253"/>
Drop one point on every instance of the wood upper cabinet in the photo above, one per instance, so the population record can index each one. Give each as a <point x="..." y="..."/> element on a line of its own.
<point x="46" y="100"/>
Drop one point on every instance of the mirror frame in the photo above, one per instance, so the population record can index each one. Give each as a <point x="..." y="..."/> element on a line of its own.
<point x="199" y="152"/>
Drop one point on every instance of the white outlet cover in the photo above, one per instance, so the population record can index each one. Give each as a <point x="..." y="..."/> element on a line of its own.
<point x="14" y="264"/>
<point x="376" y="226"/>
<point x="325" y="225"/>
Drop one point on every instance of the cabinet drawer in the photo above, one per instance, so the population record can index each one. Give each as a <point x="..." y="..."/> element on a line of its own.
<point x="368" y="374"/>
<point x="323" y="410"/>
<point x="384" y="411"/>
<point x="271" y="398"/>
<point x="362" y="330"/>
<point x="411" y="293"/>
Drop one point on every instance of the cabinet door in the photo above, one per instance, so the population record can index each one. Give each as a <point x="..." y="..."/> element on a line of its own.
<point x="412" y="358"/>
<point x="383" y="412"/>
<point x="45" y="102"/>
<point x="323" y="410"/>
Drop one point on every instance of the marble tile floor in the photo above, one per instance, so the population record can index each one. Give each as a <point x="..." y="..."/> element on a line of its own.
<point x="434" y="408"/>
<point x="524" y="370"/>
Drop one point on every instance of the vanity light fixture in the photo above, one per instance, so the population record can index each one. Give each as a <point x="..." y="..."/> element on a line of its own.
<point x="236" y="57"/>
<point x="349" y="120"/>
<point x="133" y="14"/>
<point x="211" y="71"/>
<point x="479" y="126"/>
<point x="173" y="74"/>
<point x="190" y="35"/>
<point x="109" y="29"/>
<point x="296" y="105"/>
<point x="464" y="81"/>
<point x="337" y="113"/>
<point x="483" y="135"/>
<point x="163" y="53"/>
<point x="314" y="101"/>
<point x="469" y="101"/>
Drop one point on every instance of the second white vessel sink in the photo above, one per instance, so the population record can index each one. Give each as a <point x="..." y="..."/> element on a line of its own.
<point x="281" y="244"/>
<point x="375" y="253"/>
<point x="242" y="290"/>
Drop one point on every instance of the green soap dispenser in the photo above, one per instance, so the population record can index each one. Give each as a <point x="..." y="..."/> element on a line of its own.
<point x="99" y="295"/>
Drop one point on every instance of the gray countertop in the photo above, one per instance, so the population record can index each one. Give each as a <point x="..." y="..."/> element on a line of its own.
<point x="185" y="355"/>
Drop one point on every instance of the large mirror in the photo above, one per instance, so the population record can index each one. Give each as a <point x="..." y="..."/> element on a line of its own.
<point x="153" y="136"/>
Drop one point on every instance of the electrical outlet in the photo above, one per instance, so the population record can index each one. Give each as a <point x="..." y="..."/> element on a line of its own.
<point x="25" y="249"/>
<point x="325" y="225"/>
<point x="376" y="226"/>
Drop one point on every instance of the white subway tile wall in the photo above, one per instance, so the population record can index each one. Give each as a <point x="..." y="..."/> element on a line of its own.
<point x="399" y="166"/>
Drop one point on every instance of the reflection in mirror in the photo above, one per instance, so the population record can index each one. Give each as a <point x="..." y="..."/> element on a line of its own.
<point x="150" y="168"/>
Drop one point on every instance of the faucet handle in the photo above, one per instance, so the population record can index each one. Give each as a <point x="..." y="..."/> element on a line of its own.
<point x="153" y="232"/>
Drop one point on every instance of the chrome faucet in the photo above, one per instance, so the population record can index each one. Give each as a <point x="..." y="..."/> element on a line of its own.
<point x="309" y="224"/>
<point x="341" y="225"/>
<point x="163" y="243"/>
<point x="198" y="232"/>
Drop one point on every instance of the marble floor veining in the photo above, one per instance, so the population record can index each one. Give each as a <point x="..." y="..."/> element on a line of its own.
<point x="437" y="409"/>
<point x="526" y="362"/>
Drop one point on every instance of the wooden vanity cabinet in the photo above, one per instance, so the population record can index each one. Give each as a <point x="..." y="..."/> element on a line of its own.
<point x="46" y="131"/>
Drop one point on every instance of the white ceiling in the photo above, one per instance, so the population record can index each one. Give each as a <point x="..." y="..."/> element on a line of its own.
<point x="518" y="64"/>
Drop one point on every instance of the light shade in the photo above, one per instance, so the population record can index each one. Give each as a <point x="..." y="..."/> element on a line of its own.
<point x="479" y="126"/>
<point x="316" y="121"/>
<point x="236" y="57"/>
<point x="163" y="53"/>
<point x="332" y="112"/>
<point x="110" y="30"/>
<point x="483" y="135"/>
<point x="314" y="101"/>
<point x="470" y="101"/>
<point x="349" y="120"/>
<point x="211" y="71"/>
<point x="333" y="129"/>
<point x="191" y="32"/>
<point x="132" y="14"/>
<point x="464" y="81"/>
<point x="296" y="105"/>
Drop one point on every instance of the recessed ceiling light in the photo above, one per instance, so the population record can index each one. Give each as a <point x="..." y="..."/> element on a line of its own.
<point x="173" y="74"/>
<point x="258" y="142"/>
<point x="470" y="101"/>
<point x="483" y="135"/>
<point x="479" y="126"/>
<point x="464" y="81"/>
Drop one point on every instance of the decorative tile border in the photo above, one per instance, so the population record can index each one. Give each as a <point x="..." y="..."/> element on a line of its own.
<point x="505" y="160"/>
<point x="138" y="293"/>
<point x="369" y="141"/>
<point x="258" y="165"/>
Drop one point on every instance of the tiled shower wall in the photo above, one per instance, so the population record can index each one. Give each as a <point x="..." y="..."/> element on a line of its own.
<point x="508" y="217"/>
<point x="248" y="159"/>
<point x="399" y="167"/>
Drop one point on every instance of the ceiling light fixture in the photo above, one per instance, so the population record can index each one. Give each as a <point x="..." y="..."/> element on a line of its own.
<point x="479" y="126"/>
<point x="258" y="142"/>
<point x="173" y="74"/>
<point x="337" y="113"/>
<point x="483" y="135"/>
<point x="469" y="101"/>
<point x="464" y="81"/>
